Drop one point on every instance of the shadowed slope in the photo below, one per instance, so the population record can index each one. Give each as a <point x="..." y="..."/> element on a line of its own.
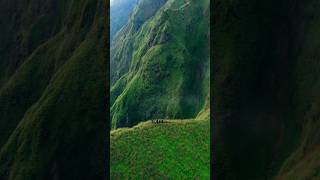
<point x="266" y="88"/>
<point x="26" y="85"/>
<point x="62" y="134"/>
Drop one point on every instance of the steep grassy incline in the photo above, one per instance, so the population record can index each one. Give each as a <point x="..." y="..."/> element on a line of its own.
<point x="119" y="15"/>
<point x="175" y="149"/>
<point x="121" y="49"/>
<point x="266" y="89"/>
<point x="54" y="106"/>
<point x="160" y="62"/>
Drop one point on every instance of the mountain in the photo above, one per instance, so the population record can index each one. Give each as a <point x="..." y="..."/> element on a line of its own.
<point x="121" y="49"/>
<point x="160" y="62"/>
<point x="53" y="96"/>
<point x="119" y="15"/>
<point x="266" y="89"/>
<point x="159" y="69"/>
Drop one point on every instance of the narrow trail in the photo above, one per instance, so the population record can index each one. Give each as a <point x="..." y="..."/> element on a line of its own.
<point x="149" y="123"/>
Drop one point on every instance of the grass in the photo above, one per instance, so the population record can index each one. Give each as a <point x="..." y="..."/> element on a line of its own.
<point x="163" y="61"/>
<point x="176" y="149"/>
<point x="162" y="57"/>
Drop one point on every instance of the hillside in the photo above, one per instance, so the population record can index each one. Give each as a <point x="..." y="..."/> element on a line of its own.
<point x="119" y="15"/>
<point x="53" y="96"/>
<point x="175" y="149"/>
<point x="160" y="70"/>
<point x="266" y="89"/>
<point x="160" y="62"/>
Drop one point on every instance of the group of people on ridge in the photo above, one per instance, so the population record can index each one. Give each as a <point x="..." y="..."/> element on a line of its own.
<point x="157" y="121"/>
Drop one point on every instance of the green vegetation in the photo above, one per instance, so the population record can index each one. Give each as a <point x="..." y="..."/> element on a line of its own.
<point x="160" y="70"/>
<point x="119" y="14"/>
<point x="53" y="106"/>
<point x="176" y="149"/>
<point x="160" y="62"/>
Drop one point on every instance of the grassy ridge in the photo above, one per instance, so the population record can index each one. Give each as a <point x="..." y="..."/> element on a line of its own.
<point x="176" y="149"/>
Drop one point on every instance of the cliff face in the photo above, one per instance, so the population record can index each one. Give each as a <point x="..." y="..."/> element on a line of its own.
<point x="53" y="89"/>
<point x="160" y="62"/>
<point x="266" y="89"/>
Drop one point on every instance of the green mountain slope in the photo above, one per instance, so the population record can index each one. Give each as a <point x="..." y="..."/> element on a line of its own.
<point x="176" y="149"/>
<point x="121" y="49"/>
<point x="119" y="15"/>
<point x="266" y="89"/>
<point x="160" y="70"/>
<point x="53" y="108"/>
<point x="160" y="62"/>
